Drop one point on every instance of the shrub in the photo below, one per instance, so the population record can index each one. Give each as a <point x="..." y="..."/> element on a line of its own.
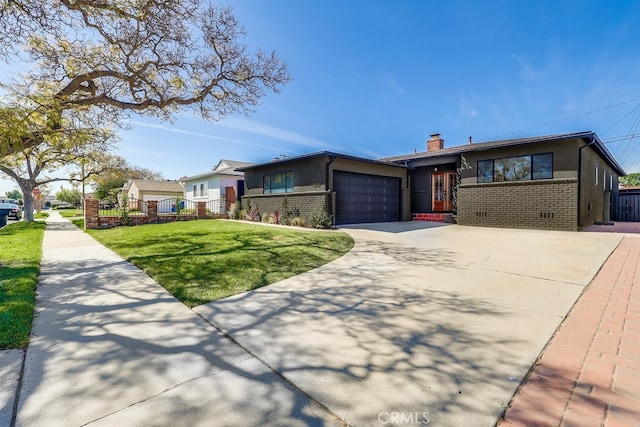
<point x="275" y="218"/>
<point x="320" y="219"/>
<point x="253" y="214"/>
<point x="297" y="222"/>
<point x="234" y="211"/>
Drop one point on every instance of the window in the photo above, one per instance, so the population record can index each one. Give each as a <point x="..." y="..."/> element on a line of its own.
<point x="485" y="171"/>
<point x="512" y="169"/>
<point x="195" y="190"/>
<point x="597" y="173"/>
<point x="519" y="168"/>
<point x="542" y="166"/>
<point x="203" y="191"/>
<point x="611" y="182"/>
<point x="604" y="180"/>
<point x="278" y="183"/>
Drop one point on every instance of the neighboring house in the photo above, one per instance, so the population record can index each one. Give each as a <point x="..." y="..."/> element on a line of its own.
<point x="146" y="190"/>
<point x="220" y="187"/>
<point x="350" y="189"/>
<point x="558" y="182"/>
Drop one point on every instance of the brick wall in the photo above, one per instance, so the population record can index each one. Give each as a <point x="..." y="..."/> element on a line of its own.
<point x="305" y="202"/>
<point x="539" y="204"/>
<point x="93" y="220"/>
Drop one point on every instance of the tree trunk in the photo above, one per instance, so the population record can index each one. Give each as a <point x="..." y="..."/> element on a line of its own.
<point x="27" y="196"/>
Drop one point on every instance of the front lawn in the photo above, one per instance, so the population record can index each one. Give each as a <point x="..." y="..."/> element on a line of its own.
<point x="20" y="253"/>
<point x="205" y="260"/>
<point x="70" y="213"/>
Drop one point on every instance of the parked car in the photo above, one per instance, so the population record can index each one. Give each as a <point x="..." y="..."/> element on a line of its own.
<point x="15" y="212"/>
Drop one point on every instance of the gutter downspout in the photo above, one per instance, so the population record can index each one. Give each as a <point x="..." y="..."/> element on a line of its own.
<point x="593" y="139"/>
<point x="329" y="190"/>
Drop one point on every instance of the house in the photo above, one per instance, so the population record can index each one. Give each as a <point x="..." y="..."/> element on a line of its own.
<point x="350" y="189"/>
<point x="140" y="190"/>
<point x="220" y="187"/>
<point x="557" y="182"/>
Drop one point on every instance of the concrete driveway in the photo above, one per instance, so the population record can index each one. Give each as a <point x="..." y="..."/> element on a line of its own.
<point x="419" y="323"/>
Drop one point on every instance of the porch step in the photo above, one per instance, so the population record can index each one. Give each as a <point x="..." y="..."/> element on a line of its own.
<point x="433" y="217"/>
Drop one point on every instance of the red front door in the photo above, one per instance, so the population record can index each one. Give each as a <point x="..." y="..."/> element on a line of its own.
<point x="443" y="184"/>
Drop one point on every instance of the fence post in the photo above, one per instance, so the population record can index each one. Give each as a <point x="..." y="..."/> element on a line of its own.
<point x="201" y="210"/>
<point x="152" y="211"/>
<point x="91" y="219"/>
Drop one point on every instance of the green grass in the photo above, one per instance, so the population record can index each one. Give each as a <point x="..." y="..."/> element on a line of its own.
<point x="205" y="260"/>
<point x="20" y="253"/>
<point x="70" y="213"/>
<point x="41" y="215"/>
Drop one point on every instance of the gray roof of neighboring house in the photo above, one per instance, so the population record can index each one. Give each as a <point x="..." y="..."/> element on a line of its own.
<point x="164" y="186"/>
<point x="224" y="167"/>
<point x="592" y="138"/>
<point x="320" y="154"/>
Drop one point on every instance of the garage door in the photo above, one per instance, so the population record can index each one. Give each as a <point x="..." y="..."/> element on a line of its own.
<point x="366" y="198"/>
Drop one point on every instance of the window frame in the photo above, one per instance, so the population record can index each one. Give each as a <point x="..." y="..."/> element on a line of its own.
<point x="268" y="182"/>
<point x="482" y="167"/>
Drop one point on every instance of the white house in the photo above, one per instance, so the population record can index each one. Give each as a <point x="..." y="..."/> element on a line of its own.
<point x="220" y="187"/>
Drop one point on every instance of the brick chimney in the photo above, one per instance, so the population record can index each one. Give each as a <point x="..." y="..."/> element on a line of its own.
<point x="435" y="143"/>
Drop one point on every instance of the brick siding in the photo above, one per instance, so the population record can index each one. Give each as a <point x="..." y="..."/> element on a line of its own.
<point x="539" y="204"/>
<point x="305" y="202"/>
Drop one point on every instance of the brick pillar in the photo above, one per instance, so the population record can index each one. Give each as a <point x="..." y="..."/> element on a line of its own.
<point x="152" y="211"/>
<point x="201" y="210"/>
<point x="91" y="220"/>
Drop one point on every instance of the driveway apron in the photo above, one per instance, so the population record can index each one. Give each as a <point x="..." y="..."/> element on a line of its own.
<point x="418" y="324"/>
<point x="112" y="347"/>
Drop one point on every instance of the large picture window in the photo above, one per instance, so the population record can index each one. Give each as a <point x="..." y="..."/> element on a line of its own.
<point x="519" y="168"/>
<point x="278" y="183"/>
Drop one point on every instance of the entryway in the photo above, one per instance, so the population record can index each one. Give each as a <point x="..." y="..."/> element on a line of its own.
<point x="444" y="184"/>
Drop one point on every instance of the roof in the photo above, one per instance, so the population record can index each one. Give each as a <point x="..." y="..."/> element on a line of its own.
<point x="590" y="138"/>
<point x="224" y="167"/>
<point x="164" y="186"/>
<point x="320" y="154"/>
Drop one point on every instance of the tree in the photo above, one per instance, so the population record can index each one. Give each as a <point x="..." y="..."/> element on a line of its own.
<point x="631" y="179"/>
<point x="72" y="196"/>
<point x="30" y="167"/>
<point x="117" y="172"/>
<point x="14" y="194"/>
<point x="95" y="61"/>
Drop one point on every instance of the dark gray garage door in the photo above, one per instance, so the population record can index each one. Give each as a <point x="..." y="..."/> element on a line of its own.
<point x="366" y="198"/>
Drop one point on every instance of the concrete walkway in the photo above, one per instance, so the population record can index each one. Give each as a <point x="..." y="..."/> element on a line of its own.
<point x="589" y="374"/>
<point x="112" y="347"/>
<point x="418" y="324"/>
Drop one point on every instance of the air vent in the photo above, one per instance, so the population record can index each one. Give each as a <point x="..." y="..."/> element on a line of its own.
<point x="547" y="215"/>
<point x="479" y="214"/>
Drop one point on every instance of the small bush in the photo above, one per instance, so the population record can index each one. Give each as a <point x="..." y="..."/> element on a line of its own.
<point x="234" y="211"/>
<point x="320" y="219"/>
<point x="275" y="218"/>
<point x="297" y="222"/>
<point x="266" y="218"/>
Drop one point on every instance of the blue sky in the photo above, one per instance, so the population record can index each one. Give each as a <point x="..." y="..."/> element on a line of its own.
<point x="375" y="78"/>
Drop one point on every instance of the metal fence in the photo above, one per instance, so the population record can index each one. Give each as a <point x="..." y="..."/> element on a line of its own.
<point x="130" y="207"/>
<point x="175" y="206"/>
<point x="216" y="207"/>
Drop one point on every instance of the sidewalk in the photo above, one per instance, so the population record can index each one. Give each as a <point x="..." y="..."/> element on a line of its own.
<point x="589" y="374"/>
<point x="112" y="347"/>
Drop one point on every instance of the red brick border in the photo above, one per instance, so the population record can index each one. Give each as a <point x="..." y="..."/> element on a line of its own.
<point x="589" y="374"/>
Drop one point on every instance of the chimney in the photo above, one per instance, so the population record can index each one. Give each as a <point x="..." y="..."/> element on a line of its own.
<point x="435" y="143"/>
<point x="470" y="140"/>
